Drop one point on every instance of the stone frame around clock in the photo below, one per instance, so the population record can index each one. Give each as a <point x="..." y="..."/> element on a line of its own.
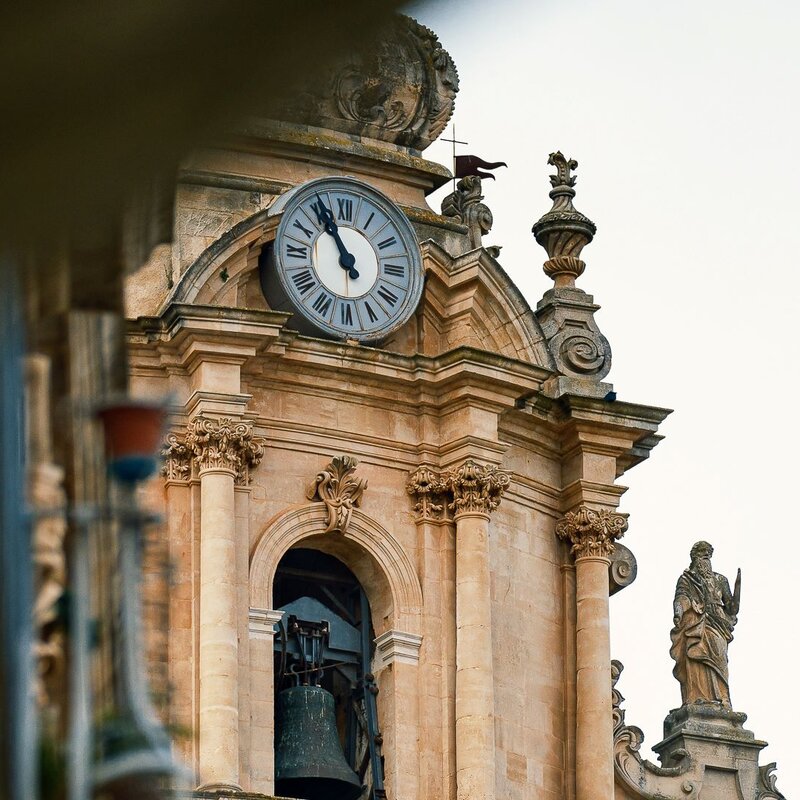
<point x="273" y="278"/>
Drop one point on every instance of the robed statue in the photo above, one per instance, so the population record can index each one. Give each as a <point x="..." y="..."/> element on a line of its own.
<point x="705" y="615"/>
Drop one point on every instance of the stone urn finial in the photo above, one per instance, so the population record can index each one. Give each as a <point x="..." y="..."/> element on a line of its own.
<point x="563" y="231"/>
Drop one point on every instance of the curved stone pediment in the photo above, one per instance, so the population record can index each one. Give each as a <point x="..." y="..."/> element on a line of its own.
<point x="468" y="301"/>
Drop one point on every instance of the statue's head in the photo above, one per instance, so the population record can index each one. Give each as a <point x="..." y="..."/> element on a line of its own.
<point x="701" y="550"/>
<point x="700" y="554"/>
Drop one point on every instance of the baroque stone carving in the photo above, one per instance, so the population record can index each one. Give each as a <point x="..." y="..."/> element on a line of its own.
<point x="766" y="783"/>
<point x="590" y="532"/>
<point x="563" y="231"/>
<point x="476" y="488"/>
<point x="400" y="88"/>
<point x="470" y="488"/>
<point x="341" y="492"/>
<point x="640" y="776"/>
<point x="224" y="444"/>
<point x="566" y="313"/>
<point x="177" y="459"/>
<point x="465" y="206"/>
<point x="622" y="569"/>
<point x="428" y="487"/>
<point x="705" y="612"/>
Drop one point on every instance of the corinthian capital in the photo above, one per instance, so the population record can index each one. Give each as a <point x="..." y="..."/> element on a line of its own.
<point x="476" y="488"/>
<point x="592" y="533"/>
<point x="224" y="444"/>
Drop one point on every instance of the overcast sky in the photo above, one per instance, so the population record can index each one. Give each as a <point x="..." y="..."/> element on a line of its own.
<point x="683" y="117"/>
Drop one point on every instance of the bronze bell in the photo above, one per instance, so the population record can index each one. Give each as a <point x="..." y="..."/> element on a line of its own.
<point x="309" y="762"/>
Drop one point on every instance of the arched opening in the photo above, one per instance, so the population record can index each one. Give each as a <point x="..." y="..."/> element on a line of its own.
<point x="327" y="741"/>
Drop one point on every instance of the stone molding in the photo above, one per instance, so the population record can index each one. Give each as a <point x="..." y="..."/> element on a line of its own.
<point x="396" y="646"/>
<point x="339" y="490"/>
<point x="591" y="533"/>
<point x="471" y="488"/>
<point x="212" y="444"/>
<point x="262" y="621"/>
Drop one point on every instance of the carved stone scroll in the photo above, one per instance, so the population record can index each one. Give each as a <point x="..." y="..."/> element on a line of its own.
<point x="590" y="532"/>
<point x="340" y="490"/>
<point x="622" y="569"/>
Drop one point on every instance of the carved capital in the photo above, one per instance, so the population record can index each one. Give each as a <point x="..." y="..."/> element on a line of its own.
<point x="476" y="488"/>
<point x="339" y="490"/>
<point x="177" y="459"/>
<point x="591" y="533"/>
<point x="224" y="444"/>
<point x="428" y="486"/>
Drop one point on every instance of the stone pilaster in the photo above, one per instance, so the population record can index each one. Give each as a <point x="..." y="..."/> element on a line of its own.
<point x="591" y="534"/>
<point x="470" y="492"/>
<point x="223" y="452"/>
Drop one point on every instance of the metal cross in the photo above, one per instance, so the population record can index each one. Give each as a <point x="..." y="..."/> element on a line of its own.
<point x="455" y="142"/>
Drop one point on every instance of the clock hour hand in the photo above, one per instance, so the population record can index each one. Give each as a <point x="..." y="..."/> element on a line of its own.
<point x="347" y="260"/>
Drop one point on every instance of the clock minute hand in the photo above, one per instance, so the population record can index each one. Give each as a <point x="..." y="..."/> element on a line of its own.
<point x="346" y="260"/>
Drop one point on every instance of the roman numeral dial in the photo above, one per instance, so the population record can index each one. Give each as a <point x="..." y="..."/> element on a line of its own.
<point x="345" y="261"/>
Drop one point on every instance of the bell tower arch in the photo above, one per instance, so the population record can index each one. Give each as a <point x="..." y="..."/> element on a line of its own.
<point x="392" y="589"/>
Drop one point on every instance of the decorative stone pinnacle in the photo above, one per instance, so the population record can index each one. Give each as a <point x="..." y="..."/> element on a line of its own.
<point x="591" y="533"/>
<point x="339" y="490"/>
<point x="214" y="444"/>
<point x="563" y="231"/>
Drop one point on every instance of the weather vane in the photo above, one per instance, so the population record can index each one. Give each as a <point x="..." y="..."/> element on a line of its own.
<point x="470" y="165"/>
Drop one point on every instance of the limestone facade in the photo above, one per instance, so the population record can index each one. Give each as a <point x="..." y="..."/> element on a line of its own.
<point x="484" y="514"/>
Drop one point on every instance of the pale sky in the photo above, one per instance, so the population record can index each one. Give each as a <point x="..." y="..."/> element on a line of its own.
<point x="684" y="119"/>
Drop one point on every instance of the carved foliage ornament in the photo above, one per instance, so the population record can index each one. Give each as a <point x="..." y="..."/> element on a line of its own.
<point x="471" y="488"/>
<point x="340" y="490"/>
<point x="591" y="532"/>
<point x="212" y="444"/>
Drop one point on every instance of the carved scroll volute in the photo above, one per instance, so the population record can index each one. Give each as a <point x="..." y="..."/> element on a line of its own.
<point x="591" y="533"/>
<point x="340" y="490"/>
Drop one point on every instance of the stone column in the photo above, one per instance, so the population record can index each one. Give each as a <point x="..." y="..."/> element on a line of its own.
<point x="476" y="491"/>
<point x="591" y="533"/>
<point x="224" y="452"/>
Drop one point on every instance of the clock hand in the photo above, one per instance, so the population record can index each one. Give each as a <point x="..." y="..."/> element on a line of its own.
<point x="347" y="260"/>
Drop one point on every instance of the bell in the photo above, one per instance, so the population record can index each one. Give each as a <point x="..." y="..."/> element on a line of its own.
<point x="309" y="762"/>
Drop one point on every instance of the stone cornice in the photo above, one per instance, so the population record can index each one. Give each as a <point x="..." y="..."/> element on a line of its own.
<point x="471" y="488"/>
<point x="591" y="533"/>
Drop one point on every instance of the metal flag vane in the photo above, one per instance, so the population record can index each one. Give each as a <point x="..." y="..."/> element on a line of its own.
<point x="469" y="164"/>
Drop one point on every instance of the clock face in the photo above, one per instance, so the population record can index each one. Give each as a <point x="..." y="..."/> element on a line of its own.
<point x="345" y="260"/>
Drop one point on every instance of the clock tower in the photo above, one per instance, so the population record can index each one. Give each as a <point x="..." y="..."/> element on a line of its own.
<point x="389" y="483"/>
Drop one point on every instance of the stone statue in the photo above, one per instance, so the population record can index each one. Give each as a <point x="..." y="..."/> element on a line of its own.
<point x="705" y="615"/>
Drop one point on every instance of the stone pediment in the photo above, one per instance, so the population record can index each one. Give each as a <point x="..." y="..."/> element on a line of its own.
<point x="468" y="301"/>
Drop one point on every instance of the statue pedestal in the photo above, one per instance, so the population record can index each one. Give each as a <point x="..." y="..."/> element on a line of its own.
<point x="714" y="739"/>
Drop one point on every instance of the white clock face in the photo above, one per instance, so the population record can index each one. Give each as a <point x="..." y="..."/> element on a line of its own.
<point x="345" y="259"/>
